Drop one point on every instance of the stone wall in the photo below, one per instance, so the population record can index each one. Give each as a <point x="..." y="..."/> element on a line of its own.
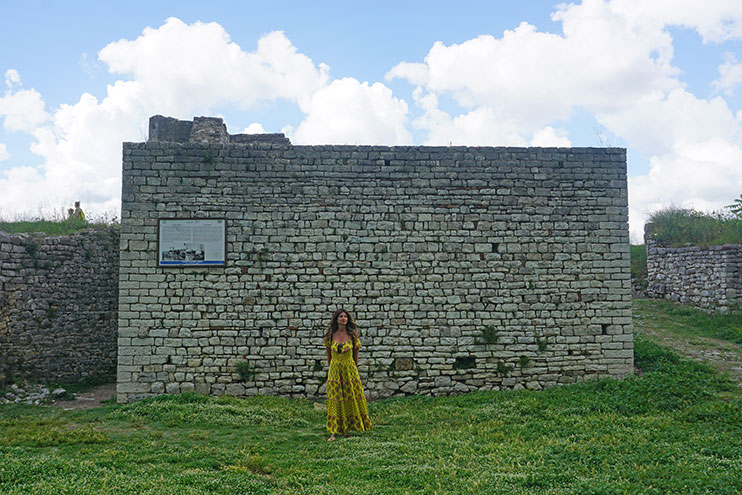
<point x="58" y="306"/>
<point x="466" y="267"/>
<point x="709" y="278"/>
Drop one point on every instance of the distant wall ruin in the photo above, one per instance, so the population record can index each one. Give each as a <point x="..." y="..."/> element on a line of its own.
<point x="708" y="278"/>
<point x="58" y="306"/>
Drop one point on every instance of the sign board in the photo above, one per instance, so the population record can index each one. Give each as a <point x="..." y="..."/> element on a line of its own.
<point x="191" y="242"/>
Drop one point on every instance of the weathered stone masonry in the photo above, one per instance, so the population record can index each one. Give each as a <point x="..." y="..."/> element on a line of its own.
<point x="709" y="278"/>
<point x="467" y="268"/>
<point x="58" y="306"/>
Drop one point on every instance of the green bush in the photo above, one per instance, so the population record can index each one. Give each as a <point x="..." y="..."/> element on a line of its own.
<point x="245" y="371"/>
<point x="639" y="264"/>
<point x="677" y="226"/>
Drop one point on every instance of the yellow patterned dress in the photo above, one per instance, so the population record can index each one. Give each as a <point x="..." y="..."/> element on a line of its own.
<point x="346" y="405"/>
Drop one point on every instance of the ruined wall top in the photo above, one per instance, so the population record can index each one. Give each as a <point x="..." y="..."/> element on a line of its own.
<point x="204" y="130"/>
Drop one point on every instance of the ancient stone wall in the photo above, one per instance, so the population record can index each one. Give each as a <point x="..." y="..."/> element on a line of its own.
<point x="709" y="278"/>
<point x="58" y="306"/>
<point x="466" y="267"/>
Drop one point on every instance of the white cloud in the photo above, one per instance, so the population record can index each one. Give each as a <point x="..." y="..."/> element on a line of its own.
<point x="81" y="148"/>
<point x="189" y="68"/>
<point x="529" y="79"/>
<point x="655" y="123"/>
<point x="730" y="75"/>
<point x="91" y="67"/>
<point x="12" y="77"/>
<point x="481" y="126"/>
<point x="21" y="192"/>
<point x="714" y="20"/>
<point x="4" y="155"/>
<point x="550" y="137"/>
<point x="22" y="110"/>
<point x="701" y="175"/>
<point x="349" y="112"/>
<point x="254" y="128"/>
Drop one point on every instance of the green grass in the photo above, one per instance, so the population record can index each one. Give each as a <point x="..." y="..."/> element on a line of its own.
<point x="674" y="429"/>
<point x="50" y="227"/>
<point x="639" y="264"/>
<point x="677" y="227"/>
<point x="689" y="321"/>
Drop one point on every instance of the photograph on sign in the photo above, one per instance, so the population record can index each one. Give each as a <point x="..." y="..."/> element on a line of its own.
<point x="192" y="242"/>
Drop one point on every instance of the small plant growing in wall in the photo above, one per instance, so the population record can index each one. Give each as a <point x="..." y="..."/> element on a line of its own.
<point x="503" y="369"/>
<point x="32" y="248"/>
<point x="245" y="371"/>
<point x="489" y="335"/>
<point x="258" y="256"/>
<point x="524" y="361"/>
<point x="51" y="312"/>
<point x="208" y="159"/>
<point x="541" y="343"/>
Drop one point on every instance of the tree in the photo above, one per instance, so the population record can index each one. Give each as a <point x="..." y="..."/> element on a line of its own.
<point x="736" y="207"/>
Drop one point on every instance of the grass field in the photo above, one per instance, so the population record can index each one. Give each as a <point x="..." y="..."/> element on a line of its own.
<point x="676" y="428"/>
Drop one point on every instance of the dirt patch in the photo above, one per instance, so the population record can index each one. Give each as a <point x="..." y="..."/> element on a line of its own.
<point x="89" y="399"/>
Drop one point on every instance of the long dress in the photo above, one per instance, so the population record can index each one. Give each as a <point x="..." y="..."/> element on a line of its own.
<point x="346" y="405"/>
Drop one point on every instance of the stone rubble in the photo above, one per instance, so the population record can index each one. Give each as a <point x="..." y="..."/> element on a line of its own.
<point x="31" y="393"/>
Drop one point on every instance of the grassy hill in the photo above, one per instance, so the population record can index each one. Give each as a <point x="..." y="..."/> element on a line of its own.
<point x="676" y="427"/>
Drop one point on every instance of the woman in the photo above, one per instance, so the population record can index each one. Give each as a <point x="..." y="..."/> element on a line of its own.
<point x="346" y="405"/>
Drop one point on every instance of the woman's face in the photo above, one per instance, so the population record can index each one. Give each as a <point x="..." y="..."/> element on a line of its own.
<point x="343" y="318"/>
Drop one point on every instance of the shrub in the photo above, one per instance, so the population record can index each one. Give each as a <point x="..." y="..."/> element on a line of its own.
<point x="736" y="207"/>
<point x="244" y="370"/>
<point x="677" y="226"/>
<point x="489" y="335"/>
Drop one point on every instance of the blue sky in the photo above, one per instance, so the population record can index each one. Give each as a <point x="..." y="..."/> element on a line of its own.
<point x="661" y="78"/>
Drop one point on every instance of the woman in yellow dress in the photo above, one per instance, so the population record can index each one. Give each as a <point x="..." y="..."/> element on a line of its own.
<point x="346" y="405"/>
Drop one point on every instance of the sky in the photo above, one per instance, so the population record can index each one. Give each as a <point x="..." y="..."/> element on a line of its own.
<point x="661" y="78"/>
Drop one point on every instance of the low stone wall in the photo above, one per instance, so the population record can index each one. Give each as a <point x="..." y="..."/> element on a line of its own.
<point x="709" y="278"/>
<point x="58" y="305"/>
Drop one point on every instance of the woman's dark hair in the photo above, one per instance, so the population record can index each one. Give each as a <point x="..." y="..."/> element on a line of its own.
<point x="332" y="327"/>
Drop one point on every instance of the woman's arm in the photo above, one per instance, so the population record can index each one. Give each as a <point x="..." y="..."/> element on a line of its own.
<point x="355" y="356"/>
<point x="329" y="356"/>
